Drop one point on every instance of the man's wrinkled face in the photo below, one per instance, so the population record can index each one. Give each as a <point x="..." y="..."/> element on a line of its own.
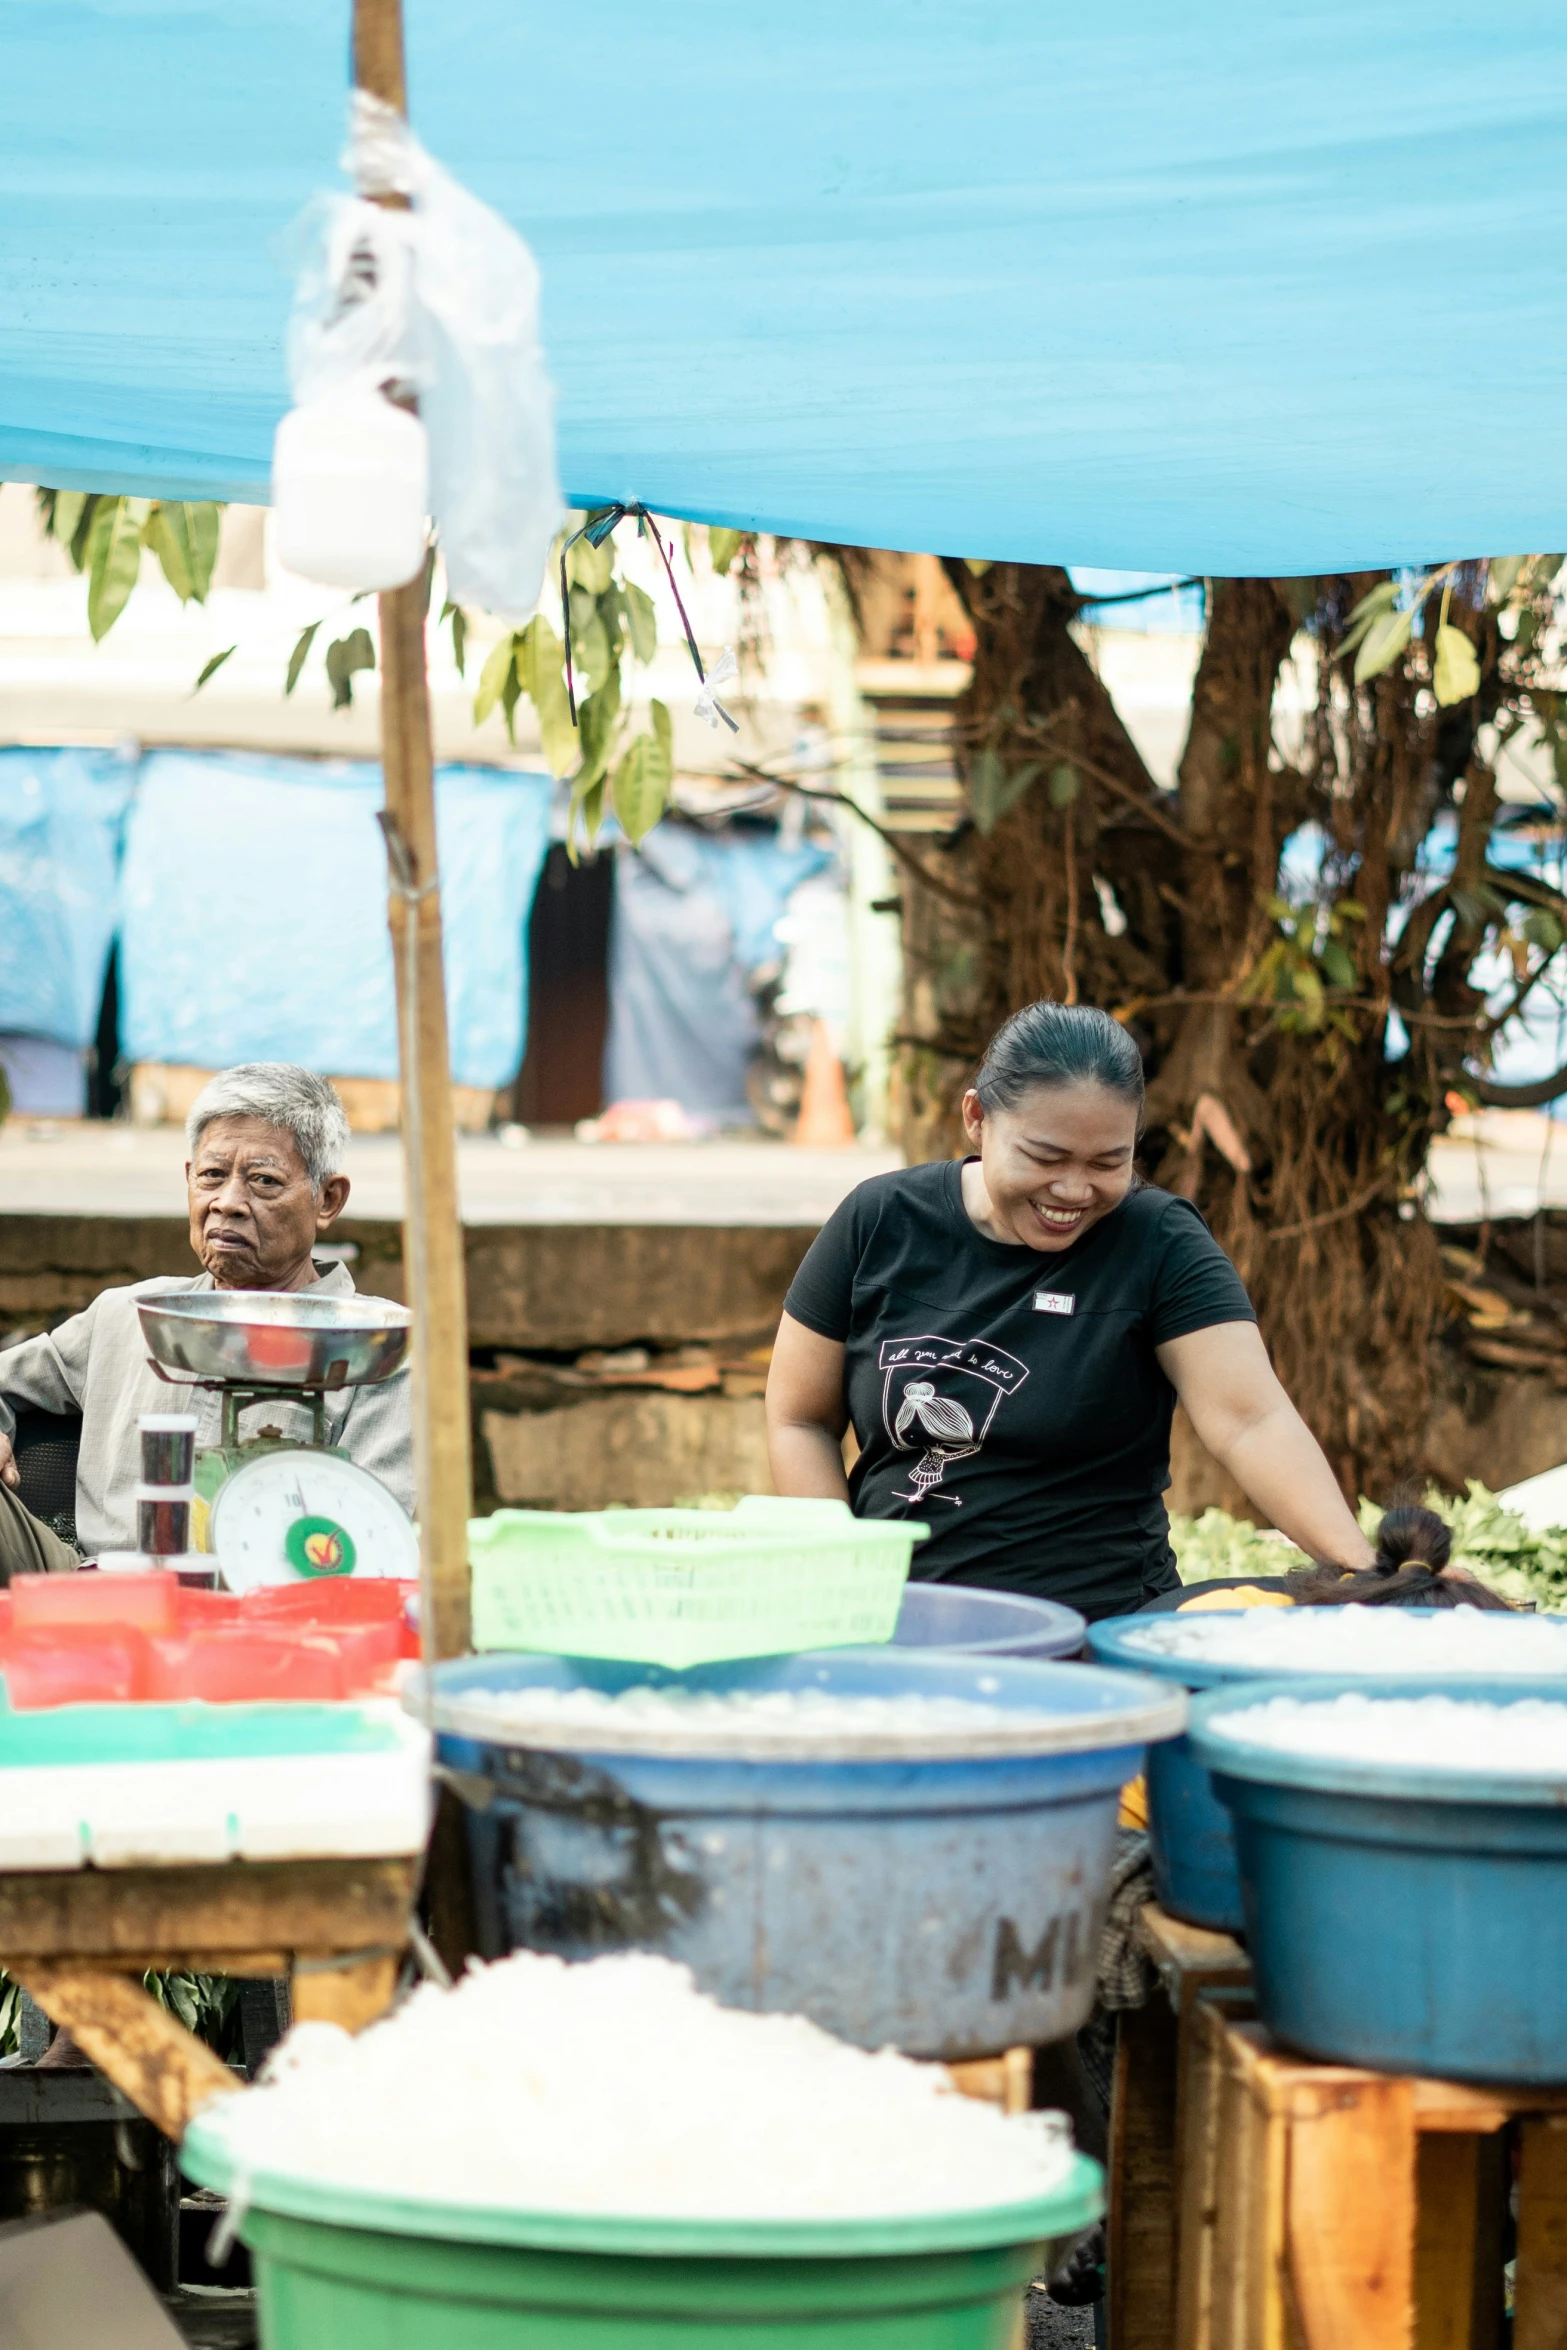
<point x="253" y="1214"/>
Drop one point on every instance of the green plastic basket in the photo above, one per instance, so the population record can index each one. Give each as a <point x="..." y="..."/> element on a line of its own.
<point x="688" y="1587"/>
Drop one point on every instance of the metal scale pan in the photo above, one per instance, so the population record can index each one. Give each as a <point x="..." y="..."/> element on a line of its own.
<point x="282" y="1512"/>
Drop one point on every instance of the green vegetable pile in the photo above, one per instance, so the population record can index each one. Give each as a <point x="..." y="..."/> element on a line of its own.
<point x="1491" y="1541"/>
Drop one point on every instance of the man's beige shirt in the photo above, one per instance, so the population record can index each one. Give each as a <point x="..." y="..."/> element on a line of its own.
<point x="97" y="1364"/>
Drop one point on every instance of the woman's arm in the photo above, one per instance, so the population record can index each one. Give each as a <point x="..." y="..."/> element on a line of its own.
<point x="806" y="1413"/>
<point x="1234" y="1401"/>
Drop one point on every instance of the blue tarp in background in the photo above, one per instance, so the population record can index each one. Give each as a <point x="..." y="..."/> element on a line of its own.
<point x="254" y="914"/>
<point x="1222" y="288"/>
<point x="61" y="818"/>
<point x="692" y="924"/>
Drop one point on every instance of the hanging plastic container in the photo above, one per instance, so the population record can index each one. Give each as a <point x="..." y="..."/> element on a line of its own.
<point x="941" y="1887"/>
<point x="1409" y="1919"/>
<point x="351" y="490"/>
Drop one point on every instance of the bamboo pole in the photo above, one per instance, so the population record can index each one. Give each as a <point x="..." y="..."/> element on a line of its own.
<point x="433" y="1268"/>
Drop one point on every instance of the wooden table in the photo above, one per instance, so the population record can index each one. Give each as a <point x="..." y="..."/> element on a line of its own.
<point x="79" y="1941"/>
<point x="1265" y="2201"/>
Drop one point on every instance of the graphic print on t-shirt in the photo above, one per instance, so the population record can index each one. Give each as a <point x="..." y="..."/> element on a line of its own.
<point x="938" y="1398"/>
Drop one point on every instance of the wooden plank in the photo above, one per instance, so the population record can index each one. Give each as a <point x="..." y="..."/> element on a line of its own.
<point x="1240" y="2213"/>
<point x="226" y="1913"/>
<point x="165" y="2071"/>
<point x="1006" y="2080"/>
<point x="432" y="1228"/>
<point x="1350" y="2207"/>
<point x="352" y="1992"/>
<point x="1540" y="2305"/>
<point x="1182" y="1952"/>
<point x="1199" y="2100"/>
<point x="1141" y="2229"/>
<point x="1453" y="2105"/>
<point x="1447" y="2175"/>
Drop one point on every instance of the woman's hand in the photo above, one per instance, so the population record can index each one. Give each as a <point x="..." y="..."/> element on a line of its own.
<point x="806" y="1414"/>
<point x="1241" y="1413"/>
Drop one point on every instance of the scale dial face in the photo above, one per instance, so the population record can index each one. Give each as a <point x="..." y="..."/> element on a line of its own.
<point x="291" y="1516"/>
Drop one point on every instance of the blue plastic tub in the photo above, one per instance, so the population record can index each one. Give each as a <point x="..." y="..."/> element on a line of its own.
<point x="1193" y="1844"/>
<point x="959" y="1617"/>
<point x="1410" y="1920"/>
<point x="945" y="1894"/>
<point x="1193" y="1841"/>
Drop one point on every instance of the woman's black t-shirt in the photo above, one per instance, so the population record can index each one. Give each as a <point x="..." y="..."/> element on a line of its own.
<point x="1011" y="1398"/>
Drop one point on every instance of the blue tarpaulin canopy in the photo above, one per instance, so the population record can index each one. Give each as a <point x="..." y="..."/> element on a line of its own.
<point x="1240" y="286"/>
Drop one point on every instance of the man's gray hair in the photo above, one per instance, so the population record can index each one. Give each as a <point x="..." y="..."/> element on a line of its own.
<point x="294" y="1100"/>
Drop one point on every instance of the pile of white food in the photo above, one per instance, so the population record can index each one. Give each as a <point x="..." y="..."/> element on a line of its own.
<point x="615" y="2086"/>
<point x="1360" y="1640"/>
<point x="1525" y="1738"/>
<point x="762" y="1714"/>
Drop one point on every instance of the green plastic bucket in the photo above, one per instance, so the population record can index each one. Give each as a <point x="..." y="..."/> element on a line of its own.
<point x="337" y="2270"/>
<point x="688" y="1587"/>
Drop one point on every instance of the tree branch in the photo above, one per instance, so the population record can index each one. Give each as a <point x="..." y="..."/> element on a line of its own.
<point x="1518" y="1097"/>
<point x="967" y="899"/>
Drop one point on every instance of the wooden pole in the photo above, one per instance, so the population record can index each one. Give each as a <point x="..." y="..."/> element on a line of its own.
<point x="432" y="1225"/>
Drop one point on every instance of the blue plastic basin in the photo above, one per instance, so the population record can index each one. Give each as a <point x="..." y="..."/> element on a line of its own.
<point x="949" y="1903"/>
<point x="1189" y="1832"/>
<point x="959" y="1617"/>
<point x="1411" y="1920"/>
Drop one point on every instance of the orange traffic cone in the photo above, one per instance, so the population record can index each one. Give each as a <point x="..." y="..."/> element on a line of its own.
<point x="825" y="1122"/>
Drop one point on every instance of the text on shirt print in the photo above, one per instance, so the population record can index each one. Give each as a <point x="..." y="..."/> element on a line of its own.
<point x="938" y="1399"/>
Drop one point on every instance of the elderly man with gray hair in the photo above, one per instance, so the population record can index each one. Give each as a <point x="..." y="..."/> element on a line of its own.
<point x="265" y="1182"/>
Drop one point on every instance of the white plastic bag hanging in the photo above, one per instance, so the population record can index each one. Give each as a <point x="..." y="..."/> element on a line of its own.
<point x="442" y="302"/>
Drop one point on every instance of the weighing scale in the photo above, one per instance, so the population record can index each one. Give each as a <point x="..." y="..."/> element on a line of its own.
<point x="274" y="1510"/>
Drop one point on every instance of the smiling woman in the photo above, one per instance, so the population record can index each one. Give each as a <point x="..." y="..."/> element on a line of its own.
<point x="1009" y="1336"/>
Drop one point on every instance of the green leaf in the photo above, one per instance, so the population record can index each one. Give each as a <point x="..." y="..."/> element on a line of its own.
<point x="213" y="666"/>
<point x="1064" y="785"/>
<point x="344" y="659"/>
<point x="185" y="540"/>
<point x="1338" y="966"/>
<point x="298" y="657"/>
<point x="639" y="791"/>
<point x="1455" y="673"/>
<point x="663" y="727"/>
<point x="641" y="622"/>
<point x="1541" y="928"/>
<point x="598" y="722"/>
<point x="722" y="548"/>
<point x="591" y="568"/>
<point x="459" y="620"/>
<point x="492" y="677"/>
<point x="540" y="669"/>
<point x="1386" y="638"/>
<point x="986" y="782"/>
<point x="115" y="560"/>
<point x="66" y="515"/>
<point x="1502" y="576"/>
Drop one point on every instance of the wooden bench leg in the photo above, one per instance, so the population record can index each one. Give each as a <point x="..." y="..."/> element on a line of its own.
<point x="165" y="2071"/>
<point x="1458" y="2241"/>
<point x="1201" y="2096"/>
<point x="1141" y="2231"/>
<point x="1540" y="2307"/>
<point x="1350" y="2214"/>
<point x="351" y="1991"/>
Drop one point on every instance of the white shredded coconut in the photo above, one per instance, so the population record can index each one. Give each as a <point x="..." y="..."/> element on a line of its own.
<point x="1526" y="1738"/>
<point x="698" y="1715"/>
<point x="615" y="2086"/>
<point x="1360" y="1639"/>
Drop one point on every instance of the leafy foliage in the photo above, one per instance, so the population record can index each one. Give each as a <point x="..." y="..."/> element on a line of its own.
<point x="104" y="537"/>
<point x="611" y="618"/>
